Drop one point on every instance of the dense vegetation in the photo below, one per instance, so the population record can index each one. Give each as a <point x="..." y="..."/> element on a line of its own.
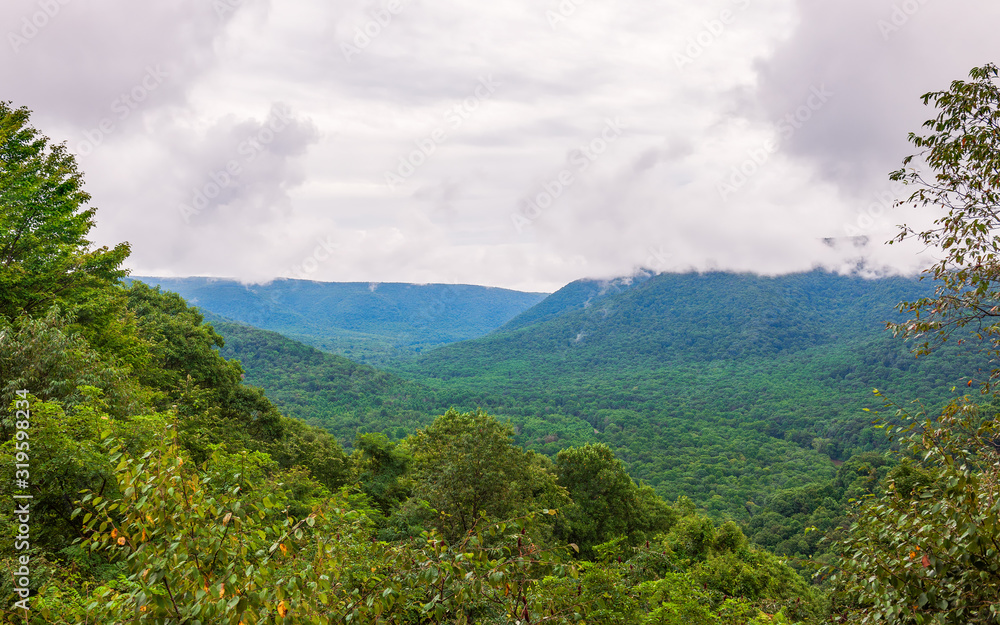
<point x="723" y="411"/>
<point x="327" y="390"/>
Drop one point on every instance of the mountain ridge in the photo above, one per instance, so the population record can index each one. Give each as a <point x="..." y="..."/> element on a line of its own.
<point x="367" y="322"/>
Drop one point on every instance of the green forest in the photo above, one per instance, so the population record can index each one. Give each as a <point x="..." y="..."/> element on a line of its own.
<point x="769" y="463"/>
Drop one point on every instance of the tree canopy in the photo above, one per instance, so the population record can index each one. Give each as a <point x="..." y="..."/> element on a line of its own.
<point x="45" y="256"/>
<point x="927" y="550"/>
<point x="957" y="172"/>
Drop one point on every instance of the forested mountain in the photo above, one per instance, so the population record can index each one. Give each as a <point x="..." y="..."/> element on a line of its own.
<point x="576" y="295"/>
<point x="723" y="387"/>
<point x="366" y="322"/>
<point x="691" y="317"/>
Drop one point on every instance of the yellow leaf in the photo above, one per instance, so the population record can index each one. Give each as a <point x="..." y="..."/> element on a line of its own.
<point x="283" y="548"/>
<point x="282" y="611"/>
<point x="222" y="590"/>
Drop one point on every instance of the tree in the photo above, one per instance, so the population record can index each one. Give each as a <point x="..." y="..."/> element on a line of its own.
<point x="927" y="550"/>
<point x="962" y="150"/>
<point x="45" y="257"/>
<point x="467" y="466"/>
<point x="379" y="466"/>
<point x="606" y="502"/>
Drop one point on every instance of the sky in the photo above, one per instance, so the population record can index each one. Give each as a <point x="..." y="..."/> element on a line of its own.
<point x="513" y="143"/>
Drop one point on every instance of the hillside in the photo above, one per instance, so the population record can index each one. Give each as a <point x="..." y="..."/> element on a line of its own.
<point x="720" y="386"/>
<point x="326" y="390"/>
<point x="691" y="318"/>
<point x="371" y="323"/>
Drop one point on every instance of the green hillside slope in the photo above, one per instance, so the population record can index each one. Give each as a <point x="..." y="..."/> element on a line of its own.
<point x="324" y="389"/>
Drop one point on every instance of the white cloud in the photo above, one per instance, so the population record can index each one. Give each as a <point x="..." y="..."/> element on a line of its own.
<point x="698" y="89"/>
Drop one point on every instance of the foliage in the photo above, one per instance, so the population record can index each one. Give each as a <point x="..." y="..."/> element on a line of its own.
<point x="741" y="388"/>
<point x="47" y="355"/>
<point x="465" y="467"/>
<point x="324" y="389"/>
<point x="607" y="504"/>
<point x="962" y="150"/>
<point x="926" y="551"/>
<point x="380" y="466"/>
<point x="717" y="579"/>
<point x="66" y="456"/>
<point x="723" y="428"/>
<point x="45" y="258"/>
<point x="200" y="553"/>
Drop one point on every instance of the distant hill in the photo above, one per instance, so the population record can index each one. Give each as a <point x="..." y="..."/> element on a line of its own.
<point x="371" y="323"/>
<point x="577" y="295"/>
<point x="691" y="318"/>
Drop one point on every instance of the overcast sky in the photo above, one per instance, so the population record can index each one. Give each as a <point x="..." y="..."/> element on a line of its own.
<point x="514" y="143"/>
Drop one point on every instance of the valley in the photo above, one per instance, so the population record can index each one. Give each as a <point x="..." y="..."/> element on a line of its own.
<point x="725" y="388"/>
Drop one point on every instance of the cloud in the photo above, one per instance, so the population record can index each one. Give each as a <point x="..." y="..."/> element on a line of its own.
<point x="79" y="62"/>
<point x="423" y="137"/>
<point x="879" y="57"/>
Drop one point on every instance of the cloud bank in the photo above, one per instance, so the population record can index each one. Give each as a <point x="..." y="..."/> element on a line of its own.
<point x="513" y="143"/>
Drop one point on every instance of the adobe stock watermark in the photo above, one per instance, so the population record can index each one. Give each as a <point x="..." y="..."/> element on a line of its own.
<point x="21" y="519"/>
<point x="33" y="24"/>
<point x="787" y="127"/>
<point x="709" y="35"/>
<point x="900" y="16"/>
<point x="323" y="251"/>
<point x="443" y="301"/>
<point x="123" y="106"/>
<point x="563" y="11"/>
<point x="224" y="7"/>
<point x="882" y="201"/>
<point x="531" y="207"/>
<point x="249" y="149"/>
<point x="370" y="30"/>
<point x="453" y="119"/>
<point x="658" y="259"/>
